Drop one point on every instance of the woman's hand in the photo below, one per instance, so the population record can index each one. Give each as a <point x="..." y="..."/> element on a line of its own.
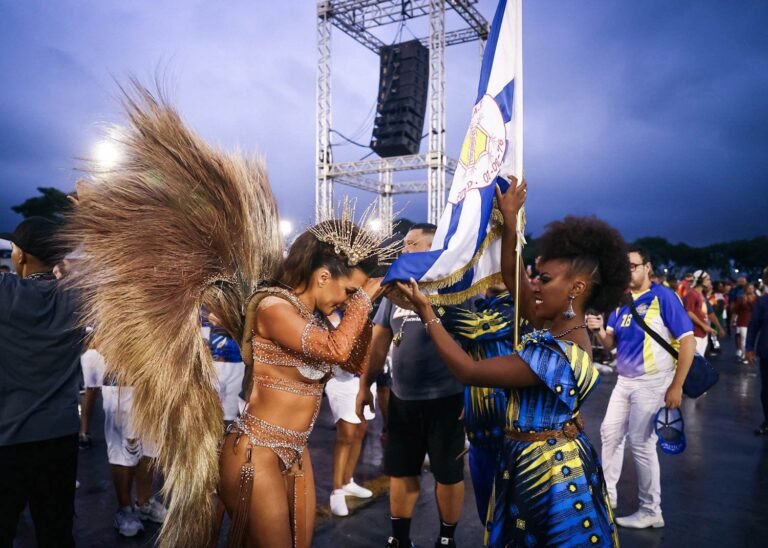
<point x="419" y="300"/>
<point x="511" y="201"/>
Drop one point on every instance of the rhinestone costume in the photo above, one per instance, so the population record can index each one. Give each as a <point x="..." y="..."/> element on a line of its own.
<point x="346" y="346"/>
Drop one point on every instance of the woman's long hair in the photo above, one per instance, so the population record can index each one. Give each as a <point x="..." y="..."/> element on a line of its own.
<point x="308" y="253"/>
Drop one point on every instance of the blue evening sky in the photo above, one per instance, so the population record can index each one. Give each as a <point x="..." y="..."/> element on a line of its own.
<point x="652" y="115"/>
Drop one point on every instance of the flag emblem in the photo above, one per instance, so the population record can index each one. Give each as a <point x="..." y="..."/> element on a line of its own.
<point x="483" y="150"/>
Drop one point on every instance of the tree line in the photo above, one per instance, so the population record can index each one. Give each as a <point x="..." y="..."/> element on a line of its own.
<point x="722" y="260"/>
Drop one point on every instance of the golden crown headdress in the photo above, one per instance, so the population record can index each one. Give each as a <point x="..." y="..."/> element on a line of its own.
<point x="353" y="241"/>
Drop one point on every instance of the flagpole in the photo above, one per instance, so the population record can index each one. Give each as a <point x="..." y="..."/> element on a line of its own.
<point x="519" y="272"/>
<point x="520" y="222"/>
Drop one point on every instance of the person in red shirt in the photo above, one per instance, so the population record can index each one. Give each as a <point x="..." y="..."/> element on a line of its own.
<point x="743" y="312"/>
<point x="697" y="310"/>
<point x="684" y="286"/>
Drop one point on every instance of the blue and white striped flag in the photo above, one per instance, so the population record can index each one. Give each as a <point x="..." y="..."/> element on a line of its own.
<point x="466" y="251"/>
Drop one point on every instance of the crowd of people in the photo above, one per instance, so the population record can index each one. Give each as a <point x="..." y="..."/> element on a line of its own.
<point x="253" y="379"/>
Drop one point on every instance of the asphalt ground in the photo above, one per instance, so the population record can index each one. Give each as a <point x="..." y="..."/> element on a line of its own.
<point x="713" y="494"/>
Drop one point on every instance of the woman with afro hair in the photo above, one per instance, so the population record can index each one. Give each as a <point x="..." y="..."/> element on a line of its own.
<point x="549" y="488"/>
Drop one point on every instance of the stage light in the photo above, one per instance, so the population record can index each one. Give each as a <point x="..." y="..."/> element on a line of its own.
<point x="375" y="225"/>
<point x="286" y="227"/>
<point x="106" y="154"/>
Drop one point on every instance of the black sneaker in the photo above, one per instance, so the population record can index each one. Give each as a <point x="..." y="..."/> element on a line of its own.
<point x="445" y="542"/>
<point x="762" y="430"/>
<point x="84" y="441"/>
<point x="392" y="542"/>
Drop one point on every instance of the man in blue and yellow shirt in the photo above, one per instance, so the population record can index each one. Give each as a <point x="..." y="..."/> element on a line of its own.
<point x="648" y="378"/>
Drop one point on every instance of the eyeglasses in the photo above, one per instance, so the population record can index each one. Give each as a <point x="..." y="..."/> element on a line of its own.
<point x="634" y="266"/>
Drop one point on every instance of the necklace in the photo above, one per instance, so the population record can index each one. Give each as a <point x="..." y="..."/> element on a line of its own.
<point x="574" y="328"/>
<point x="41" y="276"/>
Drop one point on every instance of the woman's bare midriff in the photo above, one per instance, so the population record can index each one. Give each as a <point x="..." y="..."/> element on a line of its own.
<point x="280" y="408"/>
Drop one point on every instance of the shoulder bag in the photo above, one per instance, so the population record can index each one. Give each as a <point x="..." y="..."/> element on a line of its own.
<point x="701" y="376"/>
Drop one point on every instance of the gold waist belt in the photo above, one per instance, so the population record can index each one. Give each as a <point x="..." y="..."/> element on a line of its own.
<point x="568" y="430"/>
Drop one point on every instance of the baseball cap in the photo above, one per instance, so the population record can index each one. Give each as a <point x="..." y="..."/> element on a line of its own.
<point x="36" y="236"/>
<point x="699" y="276"/>
<point x="669" y="428"/>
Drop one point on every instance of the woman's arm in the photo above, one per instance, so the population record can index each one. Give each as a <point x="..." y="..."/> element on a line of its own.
<point x="278" y="321"/>
<point x="503" y="372"/>
<point x="510" y="204"/>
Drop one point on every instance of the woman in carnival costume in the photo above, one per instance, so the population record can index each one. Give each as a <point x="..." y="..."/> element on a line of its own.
<point x="549" y="488"/>
<point x="178" y="225"/>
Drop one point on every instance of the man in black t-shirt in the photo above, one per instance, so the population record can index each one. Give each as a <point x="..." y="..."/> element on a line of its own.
<point x="40" y="348"/>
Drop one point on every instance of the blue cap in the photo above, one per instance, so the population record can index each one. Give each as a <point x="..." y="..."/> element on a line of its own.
<point x="669" y="428"/>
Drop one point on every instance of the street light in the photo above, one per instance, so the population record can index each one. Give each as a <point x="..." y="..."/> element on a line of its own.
<point x="106" y="154"/>
<point x="286" y="227"/>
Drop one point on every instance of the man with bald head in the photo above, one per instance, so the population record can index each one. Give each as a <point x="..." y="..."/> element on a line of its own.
<point x="40" y="347"/>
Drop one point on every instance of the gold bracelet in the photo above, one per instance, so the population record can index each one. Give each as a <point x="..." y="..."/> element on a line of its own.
<point x="433" y="320"/>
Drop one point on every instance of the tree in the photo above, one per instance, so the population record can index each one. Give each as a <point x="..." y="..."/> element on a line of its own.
<point x="52" y="204"/>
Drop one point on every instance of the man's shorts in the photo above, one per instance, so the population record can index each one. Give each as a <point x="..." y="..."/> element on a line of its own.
<point x="93" y="367"/>
<point x="420" y="427"/>
<point x="123" y="447"/>
<point x="230" y="382"/>
<point x="342" y="396"/>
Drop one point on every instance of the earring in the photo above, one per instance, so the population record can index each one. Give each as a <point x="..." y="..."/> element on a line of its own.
<point x="569" y="314"/>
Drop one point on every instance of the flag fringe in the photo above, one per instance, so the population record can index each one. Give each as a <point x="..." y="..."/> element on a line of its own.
<point x="451" y="299"/>
<point x="497" y="221"/>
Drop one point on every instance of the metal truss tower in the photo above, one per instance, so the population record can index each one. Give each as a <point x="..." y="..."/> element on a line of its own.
<point x="357" y="18"/>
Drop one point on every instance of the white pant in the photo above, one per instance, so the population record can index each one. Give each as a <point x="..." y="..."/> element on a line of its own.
<point x="701" y="345"/>
<point x="631" y="413"/>
<point x="742" y="331"/>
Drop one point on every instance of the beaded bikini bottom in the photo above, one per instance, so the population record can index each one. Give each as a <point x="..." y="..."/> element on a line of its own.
<point x="287" y="444"/>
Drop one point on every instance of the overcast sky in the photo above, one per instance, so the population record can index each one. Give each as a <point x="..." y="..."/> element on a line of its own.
<point x="652" y="115"/>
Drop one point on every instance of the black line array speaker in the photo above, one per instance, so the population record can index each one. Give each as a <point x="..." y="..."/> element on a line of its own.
<point x="402" y="101"/>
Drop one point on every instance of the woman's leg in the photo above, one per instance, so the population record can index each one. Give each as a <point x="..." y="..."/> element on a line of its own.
<point x="311" y="500"/>
<point x="86" y="409"/>
<point x="354" y="451"/>
<point x="268" y="522"/>
<point x="342" y="451"/>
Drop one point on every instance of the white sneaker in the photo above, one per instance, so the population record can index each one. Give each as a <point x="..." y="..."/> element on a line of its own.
<point x="127" y="523"/>
<point x="641" y="520"/>
<point x="356" y="490"/>
<point x="339" y="503"/>
<point x="152" y="510"/>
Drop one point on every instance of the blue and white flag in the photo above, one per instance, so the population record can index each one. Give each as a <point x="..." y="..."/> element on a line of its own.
<point x="466" y="251"/>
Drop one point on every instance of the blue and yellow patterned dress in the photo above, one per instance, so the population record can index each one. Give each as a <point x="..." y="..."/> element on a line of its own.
<point x="552" y="492"/>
